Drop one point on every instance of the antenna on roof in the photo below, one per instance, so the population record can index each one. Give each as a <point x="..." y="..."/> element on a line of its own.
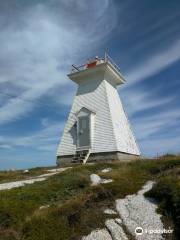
<point x="106" y="55"/>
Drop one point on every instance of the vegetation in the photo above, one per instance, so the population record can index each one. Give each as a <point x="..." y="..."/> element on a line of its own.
<point x="15" y="175"/>
<point x="167" y="192"/>
<point x="75" y="207"/>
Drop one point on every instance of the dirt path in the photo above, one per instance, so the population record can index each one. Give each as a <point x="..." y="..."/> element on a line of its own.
<point x="42" y="177"/>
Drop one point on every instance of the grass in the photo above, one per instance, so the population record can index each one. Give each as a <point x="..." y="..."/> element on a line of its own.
<point x="15" y="175"/>
<point x="76" y="208"/>
<point x="167" y="192"/>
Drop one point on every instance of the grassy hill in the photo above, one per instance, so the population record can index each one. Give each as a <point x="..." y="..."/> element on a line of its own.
<point x="75" y="207"/>
<point x="15" y="175"/>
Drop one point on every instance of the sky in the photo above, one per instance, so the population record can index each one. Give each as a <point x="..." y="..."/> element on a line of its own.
<point x="41" y="39"/>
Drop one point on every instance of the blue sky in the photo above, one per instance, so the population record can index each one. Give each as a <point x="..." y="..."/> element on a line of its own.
<point x="39" y="40"/>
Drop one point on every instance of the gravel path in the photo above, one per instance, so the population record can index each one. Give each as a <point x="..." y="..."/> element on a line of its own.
<point x="134" y="211"/>
<point x="137" y="211"/>
<point x="21" y="183"/>
<point x="99" y="234"/>
<point x="116" y="230"/>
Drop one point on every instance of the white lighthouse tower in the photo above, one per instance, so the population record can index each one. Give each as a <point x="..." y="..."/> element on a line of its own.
<point x="97" y="128"/>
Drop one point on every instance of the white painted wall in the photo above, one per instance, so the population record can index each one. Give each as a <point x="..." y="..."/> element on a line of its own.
<point x="125" y="139"/>
<point x="111" y="130"/>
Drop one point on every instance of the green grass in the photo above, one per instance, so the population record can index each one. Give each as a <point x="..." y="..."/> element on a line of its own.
<point x="76" y="208"/>
<point x="15" y="175"/>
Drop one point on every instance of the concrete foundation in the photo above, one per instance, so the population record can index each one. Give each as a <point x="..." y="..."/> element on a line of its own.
<point x="100" y="157"/>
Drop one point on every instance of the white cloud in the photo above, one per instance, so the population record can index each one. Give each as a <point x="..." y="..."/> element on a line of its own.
<point x="145" y="126"/>
<point x="44" y="139"/>
<point x="148" y="128"/>
<point x="36" y="56"/>
<point x="159" y="146"/>
<point x="137" y="100"/>
<point x="154" y="64"/>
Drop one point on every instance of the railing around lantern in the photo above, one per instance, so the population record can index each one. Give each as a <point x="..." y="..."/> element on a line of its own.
<point x="109" y="59"/>
<point x="97" y="61"/>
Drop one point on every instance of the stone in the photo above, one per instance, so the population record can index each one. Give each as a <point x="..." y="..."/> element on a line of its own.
<point x="116" y="231"/>
<point x="109" y="211"/>
<point x="137" y="211"/>
<point x="106" y="170"/>
<point x="99" y="234"/>
<point x="43" y="207"/>
<point x="95" y="179"/>
<point x="104" y="181"/>
<point x="118" y="221"/>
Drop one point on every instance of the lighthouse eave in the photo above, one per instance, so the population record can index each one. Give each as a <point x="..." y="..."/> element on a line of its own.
<point x="102" y="70"/>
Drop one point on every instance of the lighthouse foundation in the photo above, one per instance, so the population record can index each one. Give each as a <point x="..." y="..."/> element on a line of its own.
<point x="100" y="157"/>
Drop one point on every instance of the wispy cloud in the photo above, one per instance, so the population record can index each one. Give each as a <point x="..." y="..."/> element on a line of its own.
<point x="139" y="100"/>
<point x="154" y="64"/>
<point x="44" y="139"/>
<point x="158" y="146"/>
<point x="146" y="126"/>
<point x="36" y="55"/>
<point x="149" y="126"/>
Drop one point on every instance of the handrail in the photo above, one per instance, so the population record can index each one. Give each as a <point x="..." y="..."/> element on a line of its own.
<point x="87" y="156"/>
<point x="106" y="58"/>
<point x="78" y="68"/>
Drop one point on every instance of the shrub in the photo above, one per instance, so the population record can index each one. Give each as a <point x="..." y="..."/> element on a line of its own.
<point x="167" y="192"/>
<point x="155" y="167"/>
<point x="5" y="219"/>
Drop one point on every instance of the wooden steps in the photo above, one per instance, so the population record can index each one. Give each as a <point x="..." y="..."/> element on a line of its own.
<point x="81" y="156"/>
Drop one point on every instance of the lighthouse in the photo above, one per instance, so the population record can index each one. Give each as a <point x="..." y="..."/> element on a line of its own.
<point x="97" y="128"/>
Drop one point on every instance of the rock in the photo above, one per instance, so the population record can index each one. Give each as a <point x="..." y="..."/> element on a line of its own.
<point x="104" y="181"/>
<point x="99" y="234"/>
<point x="109" y="211"/>
<point x="117" y="232"/>
<point x="118" y="221"/>
<point x="95" y="179"/>
<point x="106" y="170"/>
<point x="137" y="211"/>
<point x="43" y="207"/>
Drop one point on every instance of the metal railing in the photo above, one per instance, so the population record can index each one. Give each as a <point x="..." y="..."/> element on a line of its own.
<point x="78" y="68"/>
<point x="106" y="58"/>
<point x="109" y="59"/>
